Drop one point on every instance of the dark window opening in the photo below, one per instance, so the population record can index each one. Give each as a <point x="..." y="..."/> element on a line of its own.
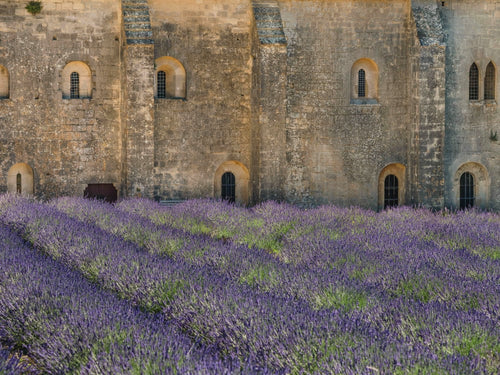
<point x="105" y="192"/>
<point x="361" y="83"/>
<point x="161" y="84"/>
<point x="473" y="82"/>
<point x="391" y="191"/>
<point x="19" y="185"/>
<point x="228" y="187"/>
<point x="466" y="191"/>
<point x="74" y="91"/>
<point x="489" y="82"/>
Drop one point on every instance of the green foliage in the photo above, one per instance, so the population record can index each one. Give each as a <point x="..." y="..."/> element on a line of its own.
<point x="91" y="269"/>
<point x="423" y="292"/>
<point x="34" y="7"/>
<point x="478" y="343"/>
<point x="117" y="336"/>
<point x="164" y="294"/>
<point x="492" y="253"/>
<point x="144" y="367"/>
<point x="262" y="275"/>
<point x="362" y="273"/>
<point x="340" y="298"/>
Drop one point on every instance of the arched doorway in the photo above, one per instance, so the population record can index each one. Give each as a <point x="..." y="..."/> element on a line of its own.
<point x="391" y="186"/>
<point x="228" y="187"/>
<point x="232" y="182"/>
<point x="467" y="195"/>
<point x="471" y="186"/>
<point x="391" y="191"/>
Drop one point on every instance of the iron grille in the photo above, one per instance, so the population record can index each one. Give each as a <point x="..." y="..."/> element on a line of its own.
<point x="391" y="191"/>
<point x="466" y="191"/>
<point x="489" y="82"/>
<point x="161" y="85"/>
<point x="74" y="91"/>
<point x="473" y="82"/>
<point x="361" y="83"/>
<point x="19" y="185"/>
<point x="228" y="191"/>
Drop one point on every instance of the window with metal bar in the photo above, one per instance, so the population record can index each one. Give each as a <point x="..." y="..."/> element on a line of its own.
<point x="391" y="191"/>
<point x="467" y="197"/>
<point x="161" y="85"/>
<point x="19" y="185"/>
<point x="4" y="83"/>
<point x="361" y="83"/>
<point x="489" y="82"/>
<point x="473" y="82"/>
<point x="228" y="187"/>
<point x="74" y="90"/>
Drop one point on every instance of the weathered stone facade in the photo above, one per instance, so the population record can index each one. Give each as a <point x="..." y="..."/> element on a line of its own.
<point x="308" y="101"/>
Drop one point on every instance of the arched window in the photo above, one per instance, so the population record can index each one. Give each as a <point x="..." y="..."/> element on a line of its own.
<point x="76" y="81"/>
<point x="364" y="82"/>
<point x="161" y="85"/>
<point x="19" y="185"/>
<point x="170" y="78"/>
<point x="228" y="187"/>
<point x="391" y="191"/>
<point x="4" y="82"/>
<point x="473" y="82"/>
<point x="20" y="179"/>
<point x="489" y="82"/>
<point x="361" y="83"/>
<point x="466" y="190"/>
<point x="74" y="84"/>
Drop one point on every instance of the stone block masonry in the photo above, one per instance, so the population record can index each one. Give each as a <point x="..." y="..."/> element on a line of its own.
<point x="308" y="101"/>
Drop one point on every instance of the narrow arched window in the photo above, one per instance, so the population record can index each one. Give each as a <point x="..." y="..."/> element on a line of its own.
<point x="473" y="82"/>
<point x="228" y="187"/>
<point x="489" y="82"/>
<point x="466" y="190"/>
<point x="19" y="185"/>
<point x="361" y="83"/>
<point x="391" y="191"/>
<point x="4" y="83"/>
<point x="74" y="90"/>
<point x="161" y="84"/>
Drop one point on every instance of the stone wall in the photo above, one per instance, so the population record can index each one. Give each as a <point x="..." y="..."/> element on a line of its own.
<point x="212" y="125"/>
<point x="336" y="146"/>
<point x="269" y="92"/>
<point x="429" y="100"/>
<point x="270" y="68"/>
<point x="473" y="29"/>
<point x="67" y="143"/>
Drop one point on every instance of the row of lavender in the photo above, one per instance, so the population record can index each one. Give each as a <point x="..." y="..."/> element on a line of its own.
<point x="446" y="263"/>
<point x="53" y="320"/>
<point x="236" y="320"/>
<point x="315" y="292"/>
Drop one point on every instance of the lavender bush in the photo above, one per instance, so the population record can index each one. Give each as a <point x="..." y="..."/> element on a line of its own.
<point x="324" y="290"/>
<point x="64" y="324"/>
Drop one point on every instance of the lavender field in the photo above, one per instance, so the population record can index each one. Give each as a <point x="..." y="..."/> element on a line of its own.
<point x="206" y="287"/>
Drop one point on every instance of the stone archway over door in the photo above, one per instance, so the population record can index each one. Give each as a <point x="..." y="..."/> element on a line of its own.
<point x="20" y="179"/>
<point x="479" y="189"/>
<point x="241" y="180"/>
<point x="391" y="186"/>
